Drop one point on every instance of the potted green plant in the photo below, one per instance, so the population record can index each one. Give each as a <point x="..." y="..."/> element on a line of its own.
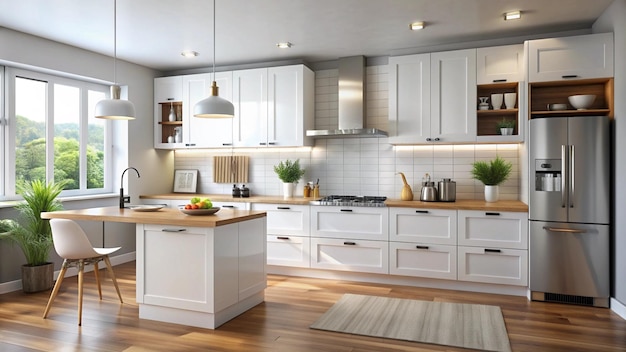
<point x="290" y="173"/>
<point x="505" y="127"/>
<point x="32" y="233"/>
<point x="491" y="174"/>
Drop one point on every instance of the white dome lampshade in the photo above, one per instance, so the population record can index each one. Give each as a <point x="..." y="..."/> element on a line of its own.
<point x="115" y="108"/>
<point x="214" y="106"/>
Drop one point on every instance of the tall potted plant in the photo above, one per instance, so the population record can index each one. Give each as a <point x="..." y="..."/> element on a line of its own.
<point x="492" y="174"/>
<point x="290" y="173"/>
<point x="32" y="233"/>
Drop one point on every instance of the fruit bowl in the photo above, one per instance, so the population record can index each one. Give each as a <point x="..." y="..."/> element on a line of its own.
<point x="200" y="211"/>
<point x="582" y="101"/>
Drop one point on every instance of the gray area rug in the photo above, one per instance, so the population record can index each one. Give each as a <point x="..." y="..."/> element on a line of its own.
<point x="474" y="326"/>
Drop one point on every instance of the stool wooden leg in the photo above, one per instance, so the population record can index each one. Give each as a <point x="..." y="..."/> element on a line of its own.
<point x="81" y="269"/>
<point x="55" y="290"/>
<point x="110" y="268"/>
<point x="97" y="274"/>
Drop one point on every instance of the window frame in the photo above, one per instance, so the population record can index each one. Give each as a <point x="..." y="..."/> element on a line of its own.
<point x="9" y="124"/>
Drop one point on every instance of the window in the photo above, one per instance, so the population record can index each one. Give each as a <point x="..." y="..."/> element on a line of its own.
<point x="53" y="133"/>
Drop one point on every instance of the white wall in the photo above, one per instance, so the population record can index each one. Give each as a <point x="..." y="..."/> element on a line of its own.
<point x="614" y="19"/>
<point x="360" y="166"/>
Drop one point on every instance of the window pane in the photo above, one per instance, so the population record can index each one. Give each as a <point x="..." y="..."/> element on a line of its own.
<point x="67" y="135"/>
<point x="30" y="141"/>
<point x="95" y="143"/>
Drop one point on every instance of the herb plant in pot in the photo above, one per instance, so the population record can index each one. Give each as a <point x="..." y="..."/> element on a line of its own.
<point x="505" y="127"/>
<point x="32" y="233"/>
<point x="492" y="174"/>
<point x="290" y="173"/>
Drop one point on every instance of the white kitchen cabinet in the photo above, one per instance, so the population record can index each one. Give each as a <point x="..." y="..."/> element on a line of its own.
<point x="423" y="260"/>
<point x="409" y="99"/>
<point x="493" y="265"/>
<point x="453" y="96"/>
<point x="273" y="106"/>
<point x="433" y="226"/>
<point x="493" y="229"/>
<point x="432" y="97"/>
<point x="500" y="64"/>
<point x="288" y="227"/>
<point x="577" y="57"/>
<point x="350" y="255"/>
<point x="168" y="93"/>
<point x="201" y="132"/>
<point x="364" y="223"/>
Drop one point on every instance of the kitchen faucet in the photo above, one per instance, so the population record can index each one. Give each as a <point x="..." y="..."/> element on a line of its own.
<point x="122" y="199"/>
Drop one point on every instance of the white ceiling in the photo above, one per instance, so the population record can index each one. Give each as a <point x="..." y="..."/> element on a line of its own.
<point x="152" y="33"/>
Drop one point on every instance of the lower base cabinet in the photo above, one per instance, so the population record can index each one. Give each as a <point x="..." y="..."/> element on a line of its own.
<point x="496" y="266"/>
<point x="423" y="260"/>
<point x="289" y="250"/>
<point x="350" y="255"/>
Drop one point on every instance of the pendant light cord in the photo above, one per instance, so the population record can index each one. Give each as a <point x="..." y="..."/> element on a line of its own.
<point x="214" y="1"/>
<point x="114" y="41"/>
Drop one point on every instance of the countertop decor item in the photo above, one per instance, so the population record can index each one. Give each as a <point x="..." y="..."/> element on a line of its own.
<point x="407" y="192"/>
<point x="32" y="233"/>
<point x="492" y="174"/>
<point x="200" y="211"/>
<point x="290" y="173"/>
<point x="581" y="101"/>
<point x="185" y="181"/>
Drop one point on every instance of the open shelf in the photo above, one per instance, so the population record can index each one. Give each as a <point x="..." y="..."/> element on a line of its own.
<point x="167" y="126"/>
<point x="487" y="120"/>
<point x="556" y="92"/>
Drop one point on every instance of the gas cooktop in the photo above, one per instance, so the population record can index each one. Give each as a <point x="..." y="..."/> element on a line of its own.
<point x="352" y="201"/>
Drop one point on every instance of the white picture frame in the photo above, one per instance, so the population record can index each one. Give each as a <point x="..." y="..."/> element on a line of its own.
<point x="185" y="181"/>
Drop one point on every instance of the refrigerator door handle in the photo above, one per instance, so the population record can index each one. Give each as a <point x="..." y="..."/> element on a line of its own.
<point x="560" y="229"/>
<point x="565" y="170"/>
<point x="571" y="176"/>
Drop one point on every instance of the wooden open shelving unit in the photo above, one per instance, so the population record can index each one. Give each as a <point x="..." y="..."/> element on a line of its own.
<point x="167" y="126"/>
<point x="556" y="92"/>
<point x="487" y="120"/>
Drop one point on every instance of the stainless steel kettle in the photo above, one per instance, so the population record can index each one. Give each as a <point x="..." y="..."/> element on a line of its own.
<point x="429" y="192"/>
<point x="447" y="190"/>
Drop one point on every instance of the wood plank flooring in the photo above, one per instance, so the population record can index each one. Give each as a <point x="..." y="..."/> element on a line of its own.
<point x="281" y="323"/>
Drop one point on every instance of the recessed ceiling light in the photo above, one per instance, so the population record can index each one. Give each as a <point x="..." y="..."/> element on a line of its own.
<point x="189" y="53"/>
<point x="284" y="45"/>
<point x="513" y="15"/>
<point x="416" y="26"/>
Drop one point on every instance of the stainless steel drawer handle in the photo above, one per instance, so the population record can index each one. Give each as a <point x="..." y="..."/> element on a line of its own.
<point x="488" y="250"/>
<point x="173" y="230"/>
<point x="421" y="247"/>
<point x="350" y="243"/>
<point x="559" y="229"/>
<point x="282" y="238"/>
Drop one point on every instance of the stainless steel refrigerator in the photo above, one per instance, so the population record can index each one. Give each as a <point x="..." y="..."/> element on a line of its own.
<point x="569" y="209"/>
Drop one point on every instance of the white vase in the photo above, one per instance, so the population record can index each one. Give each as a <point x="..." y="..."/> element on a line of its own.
<point x="496" y="101"/>
<point x="288" y="190"/>
<point x="509" y="100"/>
<point x="492" y="193"/>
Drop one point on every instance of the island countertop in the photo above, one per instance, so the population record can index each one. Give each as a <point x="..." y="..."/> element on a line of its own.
<point x="163" y="216"/>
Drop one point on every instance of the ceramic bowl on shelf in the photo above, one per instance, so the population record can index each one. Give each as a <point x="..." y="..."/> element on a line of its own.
<point x="581" y="101"/>
<point x="200" y="211"/>
<point x="557" y="107"/>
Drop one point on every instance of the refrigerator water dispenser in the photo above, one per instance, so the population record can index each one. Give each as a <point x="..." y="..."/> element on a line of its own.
<point x="548" y="175"/>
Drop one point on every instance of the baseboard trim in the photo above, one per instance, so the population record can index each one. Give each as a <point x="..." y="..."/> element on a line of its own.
<point x="618" y="308"/>
<point x="16" y="285"/>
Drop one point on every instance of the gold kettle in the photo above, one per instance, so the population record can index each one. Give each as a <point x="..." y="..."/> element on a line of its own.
<point x="407" y="192"/>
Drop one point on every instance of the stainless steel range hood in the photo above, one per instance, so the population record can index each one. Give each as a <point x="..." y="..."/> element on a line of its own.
<point x="351" y="106"/>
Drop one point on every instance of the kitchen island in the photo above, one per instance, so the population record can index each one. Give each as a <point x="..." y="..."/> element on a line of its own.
<point x="193" y="270"/>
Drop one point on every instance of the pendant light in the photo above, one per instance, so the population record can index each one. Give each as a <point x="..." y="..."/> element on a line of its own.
<point x="214" y="106"/>
<point x="115" y="108"/>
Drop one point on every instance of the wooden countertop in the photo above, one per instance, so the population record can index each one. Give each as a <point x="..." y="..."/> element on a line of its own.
<point x="163" y="216"/>
<point x="461" y="204"/>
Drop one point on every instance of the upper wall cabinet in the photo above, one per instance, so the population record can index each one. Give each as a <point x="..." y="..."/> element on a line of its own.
<point x="578" y="57"/>
<point x="168" y="105"/>
<point x="199" y="132"/>
<point x="273" y="106"/>
<point x="432" y="98"/>
<point x="500" y="64"/>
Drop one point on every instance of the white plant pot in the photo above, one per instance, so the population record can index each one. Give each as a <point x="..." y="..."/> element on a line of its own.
<point x="507" y="131"/>
<point x="492" y="193"/>
<point x="288" y="190"/>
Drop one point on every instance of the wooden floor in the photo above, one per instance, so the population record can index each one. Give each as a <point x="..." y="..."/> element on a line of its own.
<point x="281" y="323"/>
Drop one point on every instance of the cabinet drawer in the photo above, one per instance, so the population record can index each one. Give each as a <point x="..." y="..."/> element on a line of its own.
<point x="493" y="265"/>
<point x="423" y="225"/>
<point x="423" y="260"/>
<point x="285" y="219"/>
<point x="350" y="255"/>
<point x="493" y="229"/>
<point x="350" y="222"/>
<point x="288" y="251"/>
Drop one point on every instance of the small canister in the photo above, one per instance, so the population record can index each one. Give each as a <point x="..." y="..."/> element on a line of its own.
<point x="316" y="191"/>
<point x="245" y="191"/>
<point x="236" y="191"/>
<point x="447" y="190"/>
<point x="307" y="191"/>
